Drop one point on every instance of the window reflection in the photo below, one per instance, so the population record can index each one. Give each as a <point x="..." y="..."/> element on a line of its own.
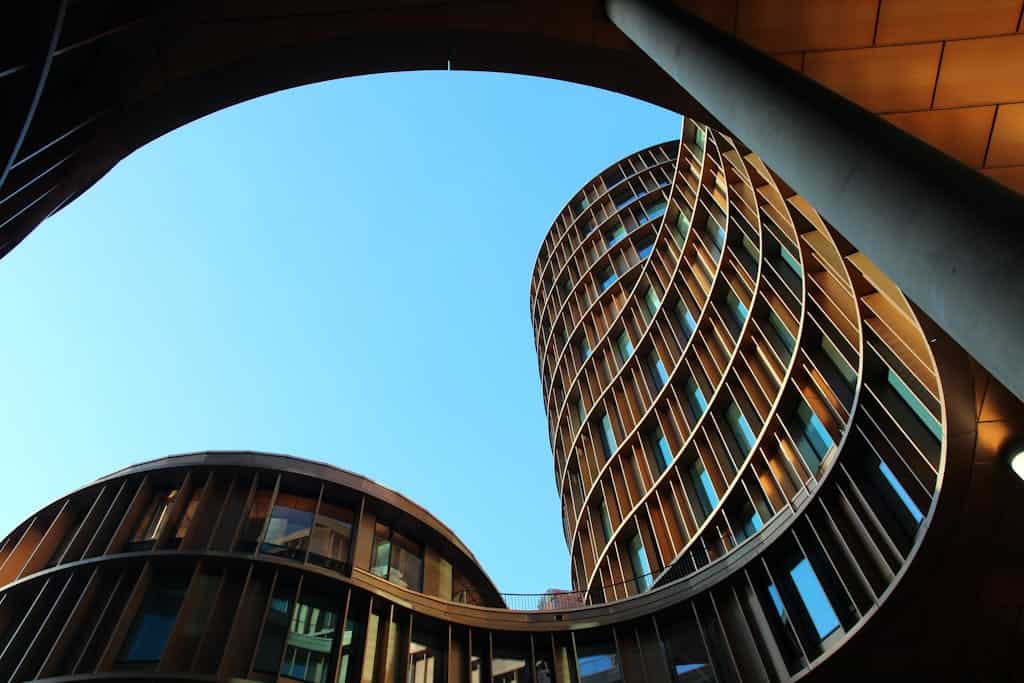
<point x="511" y="659"/>
<point x="396" y="558"/>
<point x="348" y="669"/>
<point x="310" y="636"/>
<point x="252" y="525"/>
<point x="739" y="427"/>
<point x="812" y="439"/>
<point x="289" y="526"/>
<point x="154" y="621"/>
<point x="332" y="536"/>
<point x="638" y="561"/>
<point x="659" y="446"/>
<point x="275" y="628"/>
<point x="427" y="652"/>
<point x="153" y="521"/>
<point x="706" y="496"/>
<point x="186" y="517"/>
<point x="684" y="647"/>
<point x="598" y="661"/>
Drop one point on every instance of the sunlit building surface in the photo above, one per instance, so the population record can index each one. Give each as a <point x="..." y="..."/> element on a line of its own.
<point x="771" y="466"/>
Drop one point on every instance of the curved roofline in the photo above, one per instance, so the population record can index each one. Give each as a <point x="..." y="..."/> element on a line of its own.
<point x="551" y="225"/>
<point x="305" y="467"/>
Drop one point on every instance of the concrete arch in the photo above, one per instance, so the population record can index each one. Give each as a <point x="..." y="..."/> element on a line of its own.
<point x="99" y="80"/>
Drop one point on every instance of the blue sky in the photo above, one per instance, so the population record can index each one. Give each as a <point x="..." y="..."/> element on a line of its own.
<point x="339" y="272"/>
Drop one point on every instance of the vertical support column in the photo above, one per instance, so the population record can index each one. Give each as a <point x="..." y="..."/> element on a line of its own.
<point x="947" y="235"/>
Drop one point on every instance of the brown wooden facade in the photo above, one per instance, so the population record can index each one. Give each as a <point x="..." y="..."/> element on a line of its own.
<point x="693" y="558"/>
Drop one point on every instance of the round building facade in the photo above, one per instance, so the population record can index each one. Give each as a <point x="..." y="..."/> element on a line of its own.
<point x="771" y="467"/>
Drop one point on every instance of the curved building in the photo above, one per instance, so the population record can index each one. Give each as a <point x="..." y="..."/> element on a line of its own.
<point x="772" y="466"/>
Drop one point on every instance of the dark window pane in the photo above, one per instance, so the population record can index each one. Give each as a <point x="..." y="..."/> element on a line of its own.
<point x="598" y="661"/>
<point x="332" y="536"/>
<point x="684" y="647"/>
<point x="275" y="629"/>
<point x="380" y="557"/>
<point x="155" y="619"/>
<point x="310" y="637"/>
<point x="289" y="526"/>
<point x="406" y="562"/>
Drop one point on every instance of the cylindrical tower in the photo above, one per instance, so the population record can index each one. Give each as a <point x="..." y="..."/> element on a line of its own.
<point x="771" y="466"/>
<point x="710" y="351"/>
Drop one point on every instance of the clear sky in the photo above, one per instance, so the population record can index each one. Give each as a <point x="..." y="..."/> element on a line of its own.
<point x="338" y="272"/>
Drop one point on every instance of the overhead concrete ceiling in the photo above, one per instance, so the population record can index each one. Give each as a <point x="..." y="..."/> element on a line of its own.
<point x="86" y="82"/>
<point x="950" y="72"/>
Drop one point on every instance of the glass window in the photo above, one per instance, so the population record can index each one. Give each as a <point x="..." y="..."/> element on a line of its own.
<point x="812" y="439"/>
<point x="275" y="628"/>
<point x="779" y="335"/>
<point x="644" y="249"/>
<point x="186" y="517"/>
<point x="682" y="228"/>
<point x="652" y="301"/>
<point x="777" y="601"/>
<point x="427" y="652"/>
<point x="308" y="647"/>
<point x="351" y="640"/>
<point x="791" y="261"/>
<point x="155" y="619"/>
<point x="655" y="209"/>
<point x="662" y="451"/>
<point x="700" y="136"/>
<point x="624" y="345"/>
<point x="252" y="526"/>
<point x="641" y="568"/>
<point x="848" y="374"/>
<point x="716" y="236"/>
<point x="914" y="403"/>
<point x="748" y="255"/>
<point x="657" y="369"/>
<point x="606" y="520"/>
<point x="623" y="196"/>
<point x="901" y="492"/>
<point x="396" y="558"/>
<point x="695" y="398"/>
<point x="584" y="348"/>
<point x="813" y="595"/>
<point x="511" y="660"/>
<point x="686" y="321"/>
<point x="736" y="309"/>
<point x="581" y="411"/>
<point x="464" y="591"/>
<point x="153" y="520"/>
<point x="380" y="557"/>
<point x="576" y="484"/>
<point x="750" y="522"/>
<point x="684" y="646"/>
<point x="289" y="527"/>
<point x="406" y="562"/>
<point x="740" y="427"/>
<point x="598" y="662"/>
<point x="607" y="436"/>
<point x="706" y="496"/>
<point x="332" y="536"/>
<point x="606" y="278"/>
<point x="616" y="235"/>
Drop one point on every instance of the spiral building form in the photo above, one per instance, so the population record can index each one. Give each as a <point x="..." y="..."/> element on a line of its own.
<point x="772" y="466"/>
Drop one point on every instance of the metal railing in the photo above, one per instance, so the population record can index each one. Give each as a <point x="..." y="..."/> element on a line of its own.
<point x="555" y="599"/>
